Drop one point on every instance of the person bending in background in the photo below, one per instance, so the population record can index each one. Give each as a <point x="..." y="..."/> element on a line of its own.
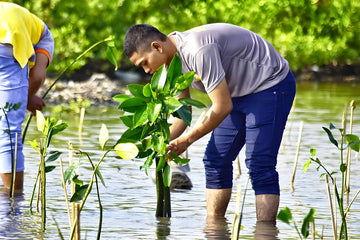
<point x="252" y="91"/>
<point x="26" y="49"/>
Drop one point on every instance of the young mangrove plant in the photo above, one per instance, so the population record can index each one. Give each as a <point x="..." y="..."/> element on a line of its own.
<point x="346" y="141"/>
<point x="126" y="151"/>
<point x="5" y="110"/>
<point x="146" y="115"/>
<point x="49" y="127"/>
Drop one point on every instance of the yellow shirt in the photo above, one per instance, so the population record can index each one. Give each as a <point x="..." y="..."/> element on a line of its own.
<point x="21" y="29"/>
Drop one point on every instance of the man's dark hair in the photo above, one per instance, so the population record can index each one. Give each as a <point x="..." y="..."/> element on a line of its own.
<point x="139" y="36"/>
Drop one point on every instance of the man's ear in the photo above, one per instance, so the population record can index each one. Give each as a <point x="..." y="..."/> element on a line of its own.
<point x="156" y="46"/>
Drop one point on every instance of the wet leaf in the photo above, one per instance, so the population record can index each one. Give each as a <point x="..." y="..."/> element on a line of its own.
<point x="126" y="151"/>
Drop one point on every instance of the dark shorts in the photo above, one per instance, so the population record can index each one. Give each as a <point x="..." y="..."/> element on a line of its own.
<point x="257" y="120"/>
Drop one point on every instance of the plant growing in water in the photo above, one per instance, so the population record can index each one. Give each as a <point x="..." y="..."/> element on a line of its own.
<point x="146" y="116"/>
<point x="353" y="142"/>
<point x="6" y="109"/>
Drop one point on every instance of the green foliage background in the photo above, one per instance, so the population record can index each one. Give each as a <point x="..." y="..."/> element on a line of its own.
<point x="308" y="32"/>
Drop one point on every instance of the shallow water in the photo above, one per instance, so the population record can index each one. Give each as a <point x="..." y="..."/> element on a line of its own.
<point x="129" y="198"/>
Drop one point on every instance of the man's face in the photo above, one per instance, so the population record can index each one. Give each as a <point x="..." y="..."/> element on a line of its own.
<point x="150" y="60"/>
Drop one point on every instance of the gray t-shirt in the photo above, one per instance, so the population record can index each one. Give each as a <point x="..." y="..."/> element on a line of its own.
<point x="216" y="51"/>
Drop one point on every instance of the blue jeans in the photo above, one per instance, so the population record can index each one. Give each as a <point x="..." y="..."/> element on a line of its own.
<point x="257" y="121"/>
<point x="14" y="85"/>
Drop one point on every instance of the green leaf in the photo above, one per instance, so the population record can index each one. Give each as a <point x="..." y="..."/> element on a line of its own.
<point x="59" y="127"/>
<point x="103" y="136"/>
<point x="79" y="194"/>
<point x="121" y="98"/>
<point x="70" y="172"/>
<point x="174" y="70"/>
<point x="353" y="142"/>
<point x="148" y="162"/>
<point x="161" y="163"/>
<point x="312" y="152"/>
<point x="140" y="117"/>
<point x="77" y="181"/>
<point x="132" y="104"/>
<point x="179" y="160"/>
<point x="156" y="78"/>
<point x="184" y="114"/>
<point x="162" y="80"/>
<point x="285" y="215"/>
<point x="192" y="102"/>
<point x="128" y="120"/>
<point x="167" y="175"/>
<point x="54" y="155"/>
<point x="126" y="151"/>
<point x="172" y="103"/>
<point x="98" y="173"/>
<point x="306" y="165"/>
<point x="136" y="90"/>
<point x="343" y="167"/>
<point x="111" y="53"/>
<point x="35" y="145"/>
<point x="49" y="168"/>
<point x="306" y="223"/>
<point x="40" y="121"/>
<point x="158" y="143"/>
<point x="331" y="137"/>
<point x="131" y="135"/>
<point x="17" y="106"/>
<point x="165" y="128"/>
<point x="147" y="92"/>
<point x="185" y="80"/>
<point x="153" y="111"/>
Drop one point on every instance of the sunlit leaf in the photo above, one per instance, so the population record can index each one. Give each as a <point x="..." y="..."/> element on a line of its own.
<point x="174" y="71"/>
<point x="158" y="143"/>
<point x="165" y="128"/>
<point x="140" y="117"/>
<point x="285" y="215"/>
<point x="70" y="172"/>
<point x="156" y="78"/>
<point x="312" y="152"/>
<point x="131" y="135"/>
<point x="148" y="163"/>
<point x="128" y="120"/>
<point x="185" y="80"/>
<point x="77" y="181"/>
<point x="126" y="151"/>
<point x="167" y="175"/>
<point x="121" y="98"/>
<point x="153" y="111"/>
<point x="111" y="53"/>
<point x="147" y="92"/>
<point x="306" y="165"/>
<point x="54" y="155"/>
<point x="103" y="136"/>
<point x="79" y="194"/>
<point x="179" y="160"/>
<point x="353" y="142"/>
<point x="192" y="102"/>
<point x="331" y="137"/>
<point x="160" y="163"/>
<point x="59" y="127"/>
<point x="35" y="145"/>
<point x="172" y="103"/>
<point x="40" y="121"/>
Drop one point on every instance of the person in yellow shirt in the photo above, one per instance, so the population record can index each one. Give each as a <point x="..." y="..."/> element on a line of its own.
<point x="26" y="50"/>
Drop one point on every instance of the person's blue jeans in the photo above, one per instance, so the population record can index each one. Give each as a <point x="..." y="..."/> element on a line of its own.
<point x="14" y="85"/>
<point x="257" y="121"/>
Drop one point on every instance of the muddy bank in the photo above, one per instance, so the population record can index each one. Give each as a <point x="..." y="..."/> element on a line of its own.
<point x="100" y="88"/>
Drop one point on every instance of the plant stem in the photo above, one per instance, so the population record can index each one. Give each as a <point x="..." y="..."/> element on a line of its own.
<point x="43" y="184"/>
<point x="11" y="193"/>
<point x="65" y="192"/>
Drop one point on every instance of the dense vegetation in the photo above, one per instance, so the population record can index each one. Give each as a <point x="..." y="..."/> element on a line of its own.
<point x="309" y="32"/>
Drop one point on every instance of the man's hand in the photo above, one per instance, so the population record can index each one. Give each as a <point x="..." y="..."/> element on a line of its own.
<point x="35" y="103"/>
<point x="179" y="145"/>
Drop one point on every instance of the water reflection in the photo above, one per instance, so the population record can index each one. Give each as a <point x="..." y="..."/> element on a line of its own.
<point x="217" y="228"/>
<point x="163" y="228"/>
<point x="266" y="231"/>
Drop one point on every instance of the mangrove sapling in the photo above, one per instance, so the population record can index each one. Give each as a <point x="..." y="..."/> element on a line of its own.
<point x="110" y="53"/>
<point x="353" y="142"/>
<point x="49" y="127"/>
<point x="126" y="151"/>
<point x="5" y="110"/>
<point x="146" y="116"/>
<point x="285" y="216"/>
